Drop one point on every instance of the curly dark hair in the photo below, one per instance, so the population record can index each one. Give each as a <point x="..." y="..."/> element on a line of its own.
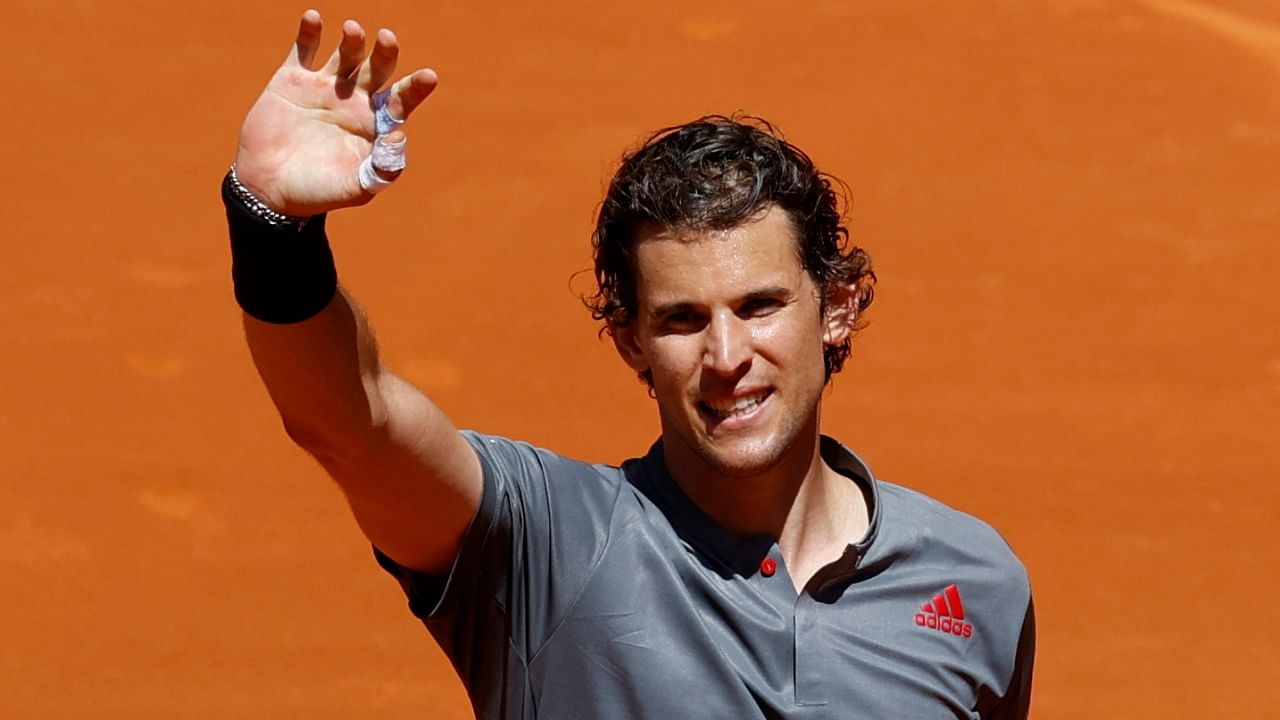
<point x="714" y="174"/>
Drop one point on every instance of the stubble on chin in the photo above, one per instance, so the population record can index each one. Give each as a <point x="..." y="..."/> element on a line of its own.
<point x="729" y="457"/>
<point x="754" y="460"/>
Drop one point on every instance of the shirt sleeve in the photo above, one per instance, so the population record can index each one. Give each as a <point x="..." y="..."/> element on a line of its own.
<point x="1016" y="703"/>
<point x="539" y="533"/>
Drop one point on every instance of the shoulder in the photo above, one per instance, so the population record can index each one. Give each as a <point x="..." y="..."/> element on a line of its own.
<point x="933" y="516"/>
<point x="523" y="472"/>
<point x="519" y="458"/>
<point x="935" y="533"/>
<point x="930" y="523"/>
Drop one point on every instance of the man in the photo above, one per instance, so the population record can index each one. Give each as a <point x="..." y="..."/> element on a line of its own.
<point x="746" y="566"/>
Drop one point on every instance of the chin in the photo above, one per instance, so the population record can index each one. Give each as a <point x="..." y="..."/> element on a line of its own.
<point x="742" y="460"/>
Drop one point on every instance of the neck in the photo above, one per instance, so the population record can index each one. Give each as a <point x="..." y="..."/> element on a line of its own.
<point x="800" y="501"/>
<point x="746" y="505"/>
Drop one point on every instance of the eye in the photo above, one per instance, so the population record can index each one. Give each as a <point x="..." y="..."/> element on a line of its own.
<point x="682" y="321"/>
<point x="759" y="307"/>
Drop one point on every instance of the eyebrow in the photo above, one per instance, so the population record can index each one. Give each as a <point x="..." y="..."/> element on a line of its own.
<point x="671" y="308"/>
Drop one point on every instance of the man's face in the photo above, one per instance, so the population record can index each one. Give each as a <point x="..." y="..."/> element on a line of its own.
<point x="731" y="329"/>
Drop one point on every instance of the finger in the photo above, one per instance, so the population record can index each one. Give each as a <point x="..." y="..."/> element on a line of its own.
<point x="409" y="92"/>
<point x="350" y="51"/>
<point x="387" y="155"/>
<point x="381" y="63"/>
<point x="384" y="164"/>
<point x="308" y="40"/>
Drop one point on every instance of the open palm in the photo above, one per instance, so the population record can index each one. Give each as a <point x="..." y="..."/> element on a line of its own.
<point x="304" y="139"/>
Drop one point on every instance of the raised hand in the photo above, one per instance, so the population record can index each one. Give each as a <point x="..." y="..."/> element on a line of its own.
<point x="303" y="141"/>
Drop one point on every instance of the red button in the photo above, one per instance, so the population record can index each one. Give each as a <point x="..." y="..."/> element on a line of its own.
<point x="768" y="567"/>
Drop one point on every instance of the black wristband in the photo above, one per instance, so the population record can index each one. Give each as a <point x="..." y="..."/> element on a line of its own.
<point x="281" y="273"/>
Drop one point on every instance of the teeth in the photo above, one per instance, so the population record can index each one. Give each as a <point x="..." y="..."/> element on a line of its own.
<point x="735" y="406"/>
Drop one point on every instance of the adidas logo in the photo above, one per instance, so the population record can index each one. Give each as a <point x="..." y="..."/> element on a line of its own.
<point x="945" y="613"/>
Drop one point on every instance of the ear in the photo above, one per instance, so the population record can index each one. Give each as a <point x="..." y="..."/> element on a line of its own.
<point x="841" y="314"/>
<point x="624" y="339"/>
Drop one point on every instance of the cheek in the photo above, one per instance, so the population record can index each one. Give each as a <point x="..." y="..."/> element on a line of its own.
<point x="789" y="339"/>
<point x="672" y="360"/>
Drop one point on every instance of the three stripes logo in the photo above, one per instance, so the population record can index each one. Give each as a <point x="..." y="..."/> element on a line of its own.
<point x="945" y="613"/>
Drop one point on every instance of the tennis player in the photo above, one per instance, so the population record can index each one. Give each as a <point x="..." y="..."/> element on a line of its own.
<point x="745" y="565"/>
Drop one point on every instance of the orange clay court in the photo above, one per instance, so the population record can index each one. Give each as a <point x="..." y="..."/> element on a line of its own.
<point x="1073" y="207"/>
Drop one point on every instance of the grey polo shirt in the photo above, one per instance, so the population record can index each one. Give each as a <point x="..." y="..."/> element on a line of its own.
<point x="597" y="592"/>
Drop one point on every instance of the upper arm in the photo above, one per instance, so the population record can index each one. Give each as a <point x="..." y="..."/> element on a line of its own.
<point x="411" y="479"/>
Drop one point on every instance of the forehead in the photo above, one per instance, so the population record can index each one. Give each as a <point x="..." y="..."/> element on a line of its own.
<point x="678" y="264"/>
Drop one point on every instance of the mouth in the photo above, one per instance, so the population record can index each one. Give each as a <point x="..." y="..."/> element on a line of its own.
<point x="734" y="408"/>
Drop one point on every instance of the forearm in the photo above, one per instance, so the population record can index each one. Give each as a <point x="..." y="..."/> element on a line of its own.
<point x="322" y="374"/>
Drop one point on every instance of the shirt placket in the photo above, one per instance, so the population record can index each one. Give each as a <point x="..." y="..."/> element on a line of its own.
<point x="810" y="663"/>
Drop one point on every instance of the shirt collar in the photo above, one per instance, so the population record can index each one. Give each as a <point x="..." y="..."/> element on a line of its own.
<point x="742" y="555"/>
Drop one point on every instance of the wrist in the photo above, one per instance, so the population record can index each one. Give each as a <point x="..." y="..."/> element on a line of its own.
<point x="282" y="272"/>
<point x="263" y="173"/>
<point x="254" y="203"/>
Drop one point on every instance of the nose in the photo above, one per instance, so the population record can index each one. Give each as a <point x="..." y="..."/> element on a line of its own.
<point x="728" y="347"/>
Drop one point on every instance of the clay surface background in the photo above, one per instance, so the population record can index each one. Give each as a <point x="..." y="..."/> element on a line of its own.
<point x="1073" y="206"/>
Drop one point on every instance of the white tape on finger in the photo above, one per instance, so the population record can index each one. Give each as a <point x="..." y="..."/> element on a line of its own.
<point x="386" y="156"/>
<point x="383" y="120"/>
<point x="370" y="180"/>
